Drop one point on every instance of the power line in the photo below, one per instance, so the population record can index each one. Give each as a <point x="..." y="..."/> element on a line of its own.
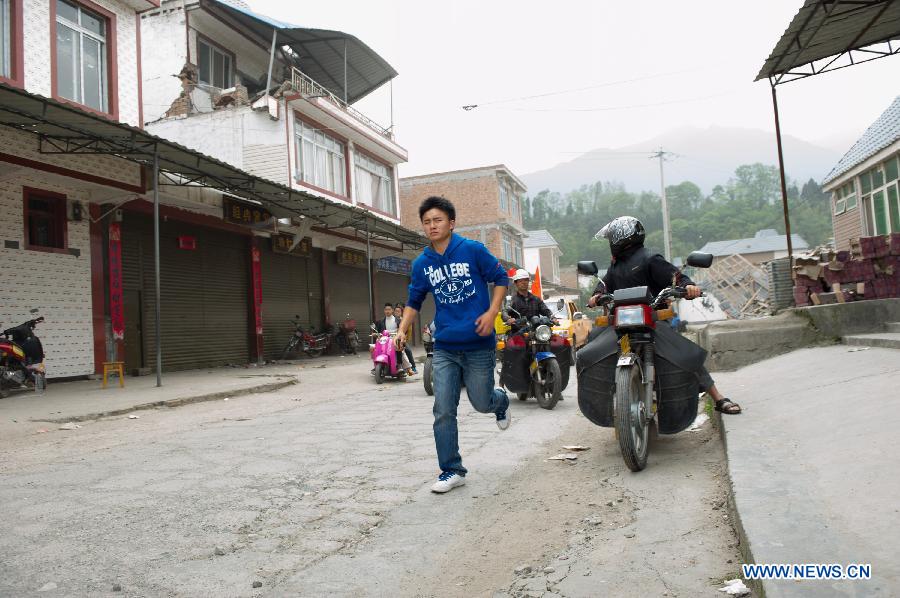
<point x="624" y="107"/>
<point x="579" y="89"/>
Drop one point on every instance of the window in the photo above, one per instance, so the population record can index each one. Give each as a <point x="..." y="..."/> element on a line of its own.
<point x="321" y="159"/>
<point x="374" y="184"/>
<point x="6" y="43"/>
<point x="81" y="61"/>
<point x="507" y="249"/>
<point x="840" y="206"/>
<point x="880" y="200"/>
<point x="216" y="66"/>
<point x="45" y="220"/>
<point x="890" y="169"/>
<point x="504" y="200"/>
<point x="514" y="204"/>
<point x="845" y="198"/>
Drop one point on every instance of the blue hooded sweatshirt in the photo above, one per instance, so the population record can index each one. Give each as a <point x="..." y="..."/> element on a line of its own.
<point x="458" y="279"/>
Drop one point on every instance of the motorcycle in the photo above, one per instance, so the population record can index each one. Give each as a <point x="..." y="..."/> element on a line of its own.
<point x="385" y="357"/>
<point x="428" y="340"/>
<point x="639" y="395"/>
<point x="532" y="360"/>
<point x="346" y="335"/>
<point x="311" y="344"/>
<point x="22" y="358"/>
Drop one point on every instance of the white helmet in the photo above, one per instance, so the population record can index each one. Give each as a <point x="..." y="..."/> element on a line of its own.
<point x="520" y="275"/>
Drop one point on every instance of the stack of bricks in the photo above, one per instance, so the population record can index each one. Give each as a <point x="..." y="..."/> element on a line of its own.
<point x="871" y="270"/>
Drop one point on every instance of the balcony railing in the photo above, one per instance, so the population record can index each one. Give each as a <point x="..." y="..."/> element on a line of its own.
<point x="309" y="88"/>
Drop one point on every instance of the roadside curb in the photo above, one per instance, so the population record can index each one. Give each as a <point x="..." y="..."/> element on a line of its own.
<point x="261" y="388"/>
<point x="744" y="541"/>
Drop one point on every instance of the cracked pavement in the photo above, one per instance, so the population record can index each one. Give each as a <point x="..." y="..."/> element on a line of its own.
<point x="322" y="489"/>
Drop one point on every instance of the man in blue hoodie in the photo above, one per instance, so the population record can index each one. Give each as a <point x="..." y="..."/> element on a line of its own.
<point x="456" y="271"/>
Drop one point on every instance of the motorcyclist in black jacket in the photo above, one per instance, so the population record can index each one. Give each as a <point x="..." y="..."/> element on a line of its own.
<point x="524" y="302"/>
<point x="634" y="265"/>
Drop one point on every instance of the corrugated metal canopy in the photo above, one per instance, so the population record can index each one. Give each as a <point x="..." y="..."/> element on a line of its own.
<point x="64" y="129"/>
<point x="321" y="52"/>
<point x="829" y="28"/>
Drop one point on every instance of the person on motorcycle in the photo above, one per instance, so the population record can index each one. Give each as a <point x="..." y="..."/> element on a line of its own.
<point x="525" y="302"/>
<point x="457" y="272"/>
<point x="634" y="265"/>
<point x="391" y="323"/>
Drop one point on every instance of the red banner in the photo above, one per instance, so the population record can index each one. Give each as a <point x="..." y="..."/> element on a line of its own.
<point x="116" y="306"/>
<point x="257" y="290"/>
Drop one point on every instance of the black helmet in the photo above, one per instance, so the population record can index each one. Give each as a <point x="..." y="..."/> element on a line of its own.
<point x="623" y="232"/>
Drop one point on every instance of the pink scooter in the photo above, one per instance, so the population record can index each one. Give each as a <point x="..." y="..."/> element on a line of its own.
<point x="384" y="357"/>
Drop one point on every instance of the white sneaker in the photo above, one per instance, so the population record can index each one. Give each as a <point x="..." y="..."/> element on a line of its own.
<point x="447" y="481"/>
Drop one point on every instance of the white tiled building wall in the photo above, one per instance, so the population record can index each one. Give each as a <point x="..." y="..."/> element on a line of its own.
<point x="58" y="285"/>
<point x="36" y="23"/>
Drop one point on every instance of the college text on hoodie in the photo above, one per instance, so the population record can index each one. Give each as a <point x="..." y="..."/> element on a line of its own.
<point x="458" y="280"/>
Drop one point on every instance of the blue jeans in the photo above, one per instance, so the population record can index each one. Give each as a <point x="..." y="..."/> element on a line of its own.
<point x="449" y="370"/>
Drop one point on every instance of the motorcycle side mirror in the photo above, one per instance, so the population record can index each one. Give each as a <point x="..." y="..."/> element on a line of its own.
<point x="587" y="268"/>
<point x="700" y="260"/>
<point x="577" y="315"/>
<point x="374" y="329"/>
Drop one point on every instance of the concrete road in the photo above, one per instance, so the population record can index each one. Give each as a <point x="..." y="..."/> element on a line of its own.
<point x="813" y="461"/>
<point x="322" y="489"/>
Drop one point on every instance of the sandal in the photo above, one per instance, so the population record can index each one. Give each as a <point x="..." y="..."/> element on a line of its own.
<point x="728" y="407"/>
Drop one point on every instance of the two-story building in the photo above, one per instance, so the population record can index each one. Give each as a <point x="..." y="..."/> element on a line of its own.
<point x="865" y="183"/>
<point x="237" y="256"/>
<point x="277" y="100"/>
<point x="488" y="204"/>
<point x="82" y="54"/>
<point x="542" y="250"/>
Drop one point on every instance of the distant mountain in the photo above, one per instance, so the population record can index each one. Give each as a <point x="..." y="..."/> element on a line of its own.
<point x="705" y="156"/>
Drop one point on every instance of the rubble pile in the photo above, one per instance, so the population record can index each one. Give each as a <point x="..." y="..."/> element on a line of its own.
<point x="870" y="270"/>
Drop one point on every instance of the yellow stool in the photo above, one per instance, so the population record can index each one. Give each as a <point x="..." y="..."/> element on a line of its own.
<point x="114" y="367"/>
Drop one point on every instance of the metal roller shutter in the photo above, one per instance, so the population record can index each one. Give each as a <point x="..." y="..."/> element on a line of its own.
<point x="204" y="292"/>
<point x="292" y="286"/>
<point x="348" y="291"/>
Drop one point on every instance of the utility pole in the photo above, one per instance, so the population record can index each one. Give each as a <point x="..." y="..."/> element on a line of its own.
<point x="665" y="206"/>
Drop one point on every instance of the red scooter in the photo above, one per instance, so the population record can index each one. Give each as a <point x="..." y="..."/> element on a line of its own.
<point x="302" y="340"/>
<point x="21" y="358"/>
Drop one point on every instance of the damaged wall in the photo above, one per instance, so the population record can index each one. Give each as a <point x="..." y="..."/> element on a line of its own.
<point x="163" y="55"/>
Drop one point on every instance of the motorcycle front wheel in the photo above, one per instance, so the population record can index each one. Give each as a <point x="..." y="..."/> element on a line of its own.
<point x="632" y="430"/>
<point x="379" y="373"/>
<point x="426" y="377"/>
<point x="288" y="348"/>
<point x="314" y="352"/>
<point x="551" y="390"/>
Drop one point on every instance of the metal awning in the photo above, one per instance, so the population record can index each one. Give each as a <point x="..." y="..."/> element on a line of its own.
<point x="826" y="35"/>
<point x="322" y="53"/>
<point x="64" y="129"/>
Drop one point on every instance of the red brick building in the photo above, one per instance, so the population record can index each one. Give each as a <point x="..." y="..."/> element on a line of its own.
<point x="488" y="204"/>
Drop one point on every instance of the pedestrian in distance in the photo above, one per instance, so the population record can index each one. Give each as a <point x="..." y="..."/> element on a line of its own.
<point x="398" y="315"/>
<point x="457" y="272"/>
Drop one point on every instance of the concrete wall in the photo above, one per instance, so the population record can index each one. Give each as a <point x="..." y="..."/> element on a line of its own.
<point x="58" y="285"/>
<point x="163" y="55"/>
<point x="36" y="24"/>
<point x="734" y="344"/>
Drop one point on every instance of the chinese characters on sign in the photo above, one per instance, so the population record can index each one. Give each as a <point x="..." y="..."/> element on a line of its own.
<point x="351" y="257"/>
<point x="116" y="307"/>
<point x="282" y="244"/>
<point x="256" y="274"/>
<point x="394" y="265"/>
<point x="239" y="212"/>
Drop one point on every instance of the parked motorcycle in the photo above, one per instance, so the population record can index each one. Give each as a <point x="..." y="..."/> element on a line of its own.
<point x="302" y="340"/>
<point x="346" y="336"/>
<point x="428" y="340"/>
<point x="385" y="357"/>
<point x="532" y="360"/>
<point x="22" y="358"/>
<point x="633" y="391"/>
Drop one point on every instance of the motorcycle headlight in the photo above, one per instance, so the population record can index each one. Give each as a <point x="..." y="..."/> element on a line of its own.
<point x="542" y="333"/>
<point x="630" y="316"/>
<point x="383" y="340"/>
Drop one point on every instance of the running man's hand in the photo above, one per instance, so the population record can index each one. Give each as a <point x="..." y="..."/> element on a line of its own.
<point x="484" y="325"/>
<point x="693" y="291"/>
<point x="400" y="340"/>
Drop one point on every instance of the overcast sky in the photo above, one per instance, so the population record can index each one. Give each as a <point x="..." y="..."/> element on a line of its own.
<point x="696" y="58"/>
